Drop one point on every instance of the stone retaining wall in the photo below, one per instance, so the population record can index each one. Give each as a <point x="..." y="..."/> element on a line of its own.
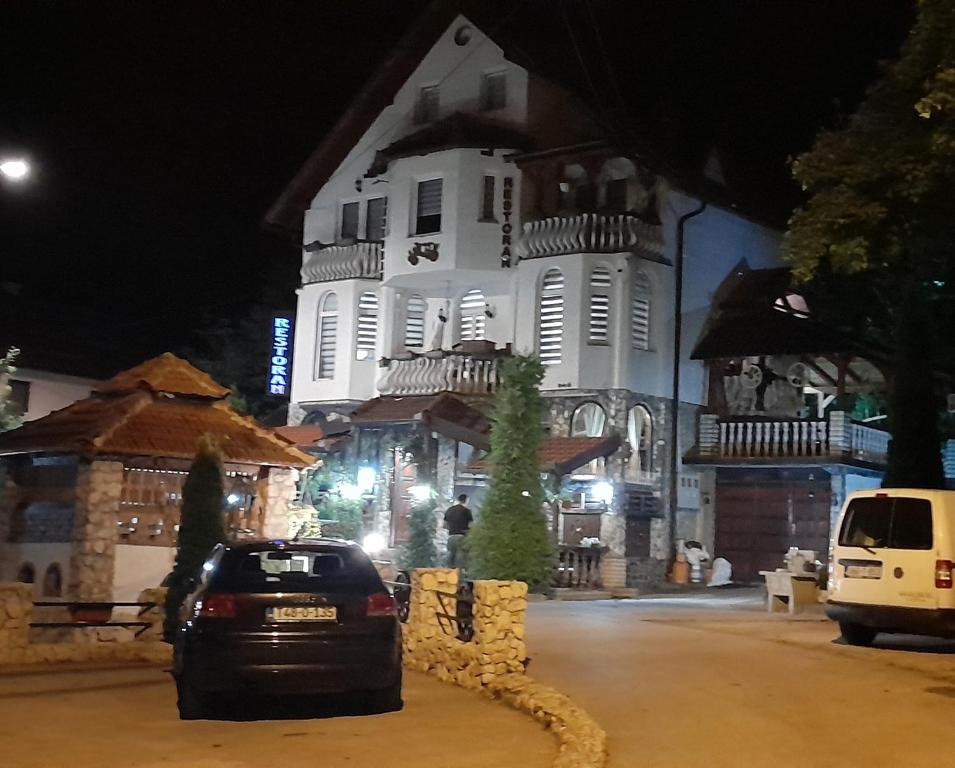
<point x="495" y="659"/>
<point x="16" y="611"/>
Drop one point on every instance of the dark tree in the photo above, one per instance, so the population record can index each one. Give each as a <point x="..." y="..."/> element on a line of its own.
<point x="200" y="527"/>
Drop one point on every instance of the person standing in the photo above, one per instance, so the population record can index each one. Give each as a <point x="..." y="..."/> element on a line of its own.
<point x="457" y="519"/>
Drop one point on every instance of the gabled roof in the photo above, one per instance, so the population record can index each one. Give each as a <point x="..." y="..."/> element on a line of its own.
<point x="444" y="413"/>
<point x="166" y="373"/>
<point x="672" y="82"/>
<point x="453" y="132"/>
<point x="159" y="409"/>
<point x="749" y="317"/>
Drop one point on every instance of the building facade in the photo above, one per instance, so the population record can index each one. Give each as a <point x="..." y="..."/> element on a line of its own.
<point x="467" y="207"/>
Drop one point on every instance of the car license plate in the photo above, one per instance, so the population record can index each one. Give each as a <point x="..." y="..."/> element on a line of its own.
<point x="863" y="571"/>
<point x="304" y="613"/>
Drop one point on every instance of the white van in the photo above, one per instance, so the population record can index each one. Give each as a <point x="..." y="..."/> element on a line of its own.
<point x="891" y="567"/>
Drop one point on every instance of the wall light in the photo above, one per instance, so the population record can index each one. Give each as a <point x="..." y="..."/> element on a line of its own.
<point x="366" y="479"/>
<point x="374" y="543"/>
<point x="420" y="492"/>
<point x="349" y="491"/>
<point x="602" y="491"/>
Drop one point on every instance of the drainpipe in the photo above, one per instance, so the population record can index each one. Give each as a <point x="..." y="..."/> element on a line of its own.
<point x="677" y="360"/>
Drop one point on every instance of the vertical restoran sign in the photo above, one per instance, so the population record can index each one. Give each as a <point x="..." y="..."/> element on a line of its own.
<point x="280" y="363"/>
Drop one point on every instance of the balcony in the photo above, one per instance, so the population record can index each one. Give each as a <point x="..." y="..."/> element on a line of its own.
<point x="751" y="440"/>
<point x="342" y="262"/>
<point x="590" y="233"/>
<point x="431" y="373"/>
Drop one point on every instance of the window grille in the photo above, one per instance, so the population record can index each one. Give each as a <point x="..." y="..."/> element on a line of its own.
<point x="487" y="199"/>
<point x="640" y="312"/>
<point x="472" y="305"/>
<point x="429" y="207"/>
<point x="327" y="337"/>
<point x="376" y="217"/>
<point x="415" y="311"/>
<point x="349" y="221"/>
<point x="493" y="91"/>
<point x="426" y="108"/>
<point x="599" y="306"/>
<point x="550" y="331"/>
<point x="367" y="336"/>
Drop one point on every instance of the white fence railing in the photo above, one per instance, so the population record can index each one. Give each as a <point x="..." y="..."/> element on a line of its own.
<point x="836" y="438"/>
<point x="342" y="262"/>
<point x="428" y="375"/>
<point x="590" y="233"/>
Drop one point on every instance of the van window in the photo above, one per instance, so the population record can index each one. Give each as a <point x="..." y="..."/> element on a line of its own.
<point x="892" y="522"/>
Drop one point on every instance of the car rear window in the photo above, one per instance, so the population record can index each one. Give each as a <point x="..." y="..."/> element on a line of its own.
<point x="295" y="570"/>
<point x="893" y="522"/>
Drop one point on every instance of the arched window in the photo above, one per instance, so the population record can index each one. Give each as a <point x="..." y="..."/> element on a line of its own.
<point x="26" y="574"/>
<point x="367" y="334"/>
<point x="415" y="311"/>
<point x="472" y="309"/>
<point x="53" y="581"/>
<point x="327" y="337"/>
<point x="550" y="329"/>
<point x="640" y="438"/>
<point x="599" y="306"/>
<point x="640" y="311"/>
<point x="589" y="420"/>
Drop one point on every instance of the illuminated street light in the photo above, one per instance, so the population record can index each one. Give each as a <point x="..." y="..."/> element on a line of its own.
<point x="374" y="543"/>
<point x="14" y="169"/>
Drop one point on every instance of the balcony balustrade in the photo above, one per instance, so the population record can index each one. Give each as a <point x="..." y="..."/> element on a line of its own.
<point x="430" y="374"/>
<point x="342" y="262"/>
<point x="590" y="233"/>
<point x="750" y="439"/>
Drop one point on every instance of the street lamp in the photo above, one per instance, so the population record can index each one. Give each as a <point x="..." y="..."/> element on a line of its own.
<point x="14" y="169"/>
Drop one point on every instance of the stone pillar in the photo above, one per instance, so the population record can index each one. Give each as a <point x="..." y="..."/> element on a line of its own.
<point x="8" y="502"/>
<point x="281" y="491"/>
<point x="99" y="488"/>
<point x="16" y="606"/>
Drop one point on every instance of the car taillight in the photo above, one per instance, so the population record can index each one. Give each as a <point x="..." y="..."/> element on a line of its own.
<point x="943" y="574"/>
<point x="380" y="604"/>
<point x="218" y="607"/>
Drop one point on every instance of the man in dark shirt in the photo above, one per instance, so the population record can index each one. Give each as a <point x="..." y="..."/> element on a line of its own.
<point x="457" y="519"/>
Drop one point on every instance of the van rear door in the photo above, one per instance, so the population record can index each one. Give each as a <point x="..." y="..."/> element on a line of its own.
<point x="885" y="553"/>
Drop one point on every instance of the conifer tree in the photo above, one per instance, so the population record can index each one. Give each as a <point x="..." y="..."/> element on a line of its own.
<point x="510" y="538"/>
<point x="420" y="551"/>
<point x="200" y="527"/>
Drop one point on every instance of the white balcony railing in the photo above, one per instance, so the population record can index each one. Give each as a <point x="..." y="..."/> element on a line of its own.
<point x="429" y="375"/>
<point x="837" y="438"/>
<point x="590" y="233"/>
<point x="341" y="262"/>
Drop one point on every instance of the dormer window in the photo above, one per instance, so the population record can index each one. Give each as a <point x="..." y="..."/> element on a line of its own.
<point x="426" y="107"/>
<point x="493" y="91"/>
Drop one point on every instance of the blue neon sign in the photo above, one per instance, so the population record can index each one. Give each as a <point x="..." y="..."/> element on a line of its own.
<point x="280" y="365"/>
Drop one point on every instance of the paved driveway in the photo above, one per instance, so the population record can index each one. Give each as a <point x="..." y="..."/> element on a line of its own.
<point x="114" y="717"/>
<point x="722" y="685"/>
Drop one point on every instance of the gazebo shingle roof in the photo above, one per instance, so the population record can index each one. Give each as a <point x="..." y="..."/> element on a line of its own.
<point x="158" y="409"/>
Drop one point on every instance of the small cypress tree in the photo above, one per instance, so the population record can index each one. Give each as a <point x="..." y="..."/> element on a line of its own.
<point x="200" y="526"/>
<point x="510" y="539"/>
<point x="420" y="551"/>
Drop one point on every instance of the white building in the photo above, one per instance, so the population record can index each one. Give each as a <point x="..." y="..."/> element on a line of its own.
<point x="465" y="198"/>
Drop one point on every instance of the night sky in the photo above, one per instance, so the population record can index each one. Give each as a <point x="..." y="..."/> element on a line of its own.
<point x="162" y="131"/>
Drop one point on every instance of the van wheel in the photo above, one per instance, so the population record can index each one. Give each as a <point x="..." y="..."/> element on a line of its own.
<point x="856" y="634"/>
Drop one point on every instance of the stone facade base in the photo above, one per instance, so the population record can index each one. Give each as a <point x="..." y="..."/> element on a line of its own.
<point x="16" y="612"/>
<point x="493" y="661"/>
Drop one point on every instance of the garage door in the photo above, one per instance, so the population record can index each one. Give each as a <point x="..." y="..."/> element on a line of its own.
<point x="761" y="515"/>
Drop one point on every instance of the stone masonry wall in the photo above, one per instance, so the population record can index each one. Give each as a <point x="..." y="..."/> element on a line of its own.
<point x="493" y="662"/>
<point x="16" y="612"/>
<point x="281" y="491"/>
<point x="99" y="488"/>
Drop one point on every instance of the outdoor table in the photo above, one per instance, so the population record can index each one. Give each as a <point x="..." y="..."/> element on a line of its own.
<point x="787" y="591"/>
